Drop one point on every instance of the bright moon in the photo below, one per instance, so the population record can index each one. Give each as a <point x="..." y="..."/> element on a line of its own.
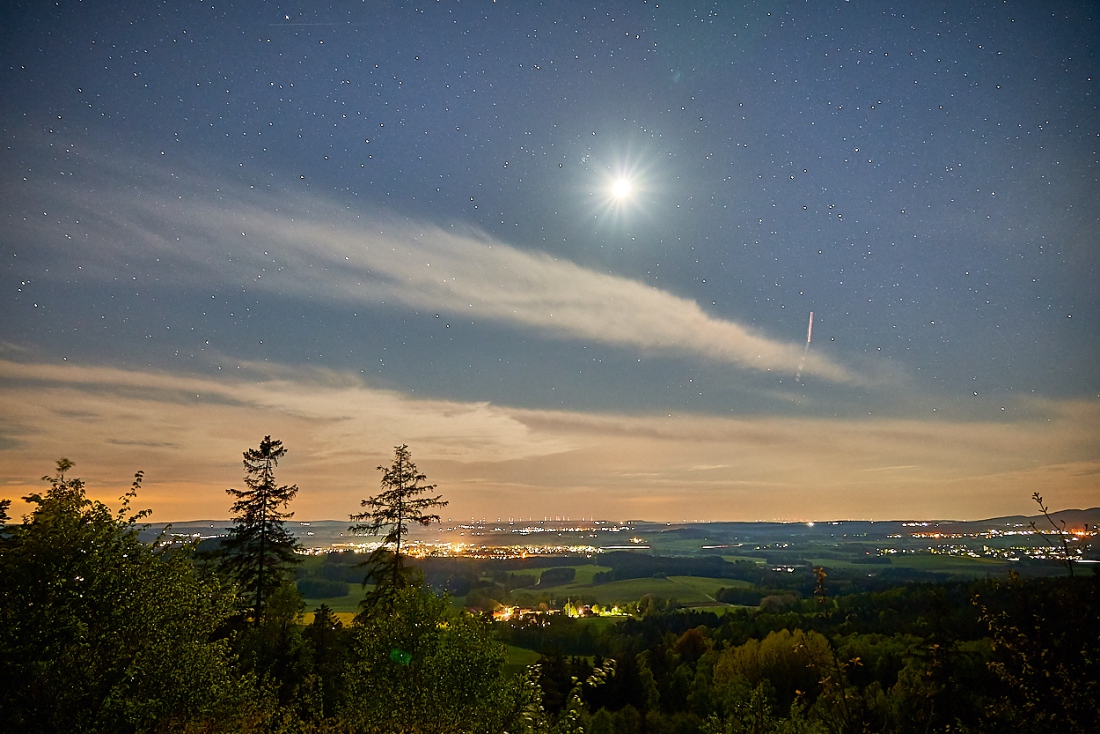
<point x="621" y="188"/>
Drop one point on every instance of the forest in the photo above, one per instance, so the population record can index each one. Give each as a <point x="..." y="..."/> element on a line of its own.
<point x="101" y="632"/>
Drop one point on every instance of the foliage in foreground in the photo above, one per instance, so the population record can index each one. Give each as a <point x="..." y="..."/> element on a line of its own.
<point x="979" y="656"/>
<point x="421" y="667"/>
<point x="101" y="632"/>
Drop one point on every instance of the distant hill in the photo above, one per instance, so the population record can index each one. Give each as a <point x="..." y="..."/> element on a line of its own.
<point x="668" y="537"/>
<point x="1072" y="519"/>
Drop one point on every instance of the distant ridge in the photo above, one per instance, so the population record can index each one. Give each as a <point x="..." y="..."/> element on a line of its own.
<point x="1072" y="518"/>
<point x="1090" y="515"/>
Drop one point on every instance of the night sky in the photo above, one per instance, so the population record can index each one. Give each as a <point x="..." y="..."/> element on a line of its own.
<point x="566" y="252"/>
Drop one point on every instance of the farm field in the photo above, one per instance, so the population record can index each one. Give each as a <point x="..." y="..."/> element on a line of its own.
<point x="518" y="658"/>
<point x="346" y="618"/>
<point x="341" y="604"/>
<point x="933" y="563"/>
<point x="952" y="564"/>
<point x="586" y="573"/>
<point x="736" y="558"/>
<point x="686" y="590"/>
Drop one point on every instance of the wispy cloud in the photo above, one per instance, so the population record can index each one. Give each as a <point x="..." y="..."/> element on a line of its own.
<point x="125" y="407"/>
<point x="309" y="247"/>
<point x="188" y="431"/>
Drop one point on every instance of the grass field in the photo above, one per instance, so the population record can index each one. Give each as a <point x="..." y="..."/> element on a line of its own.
<point x="684" y="589"/>
<point x="346" y="618"/>
<point x="750" y="559"/>
<point x="950" y="564"/>
<point x="933" y="563"/>
<point x="349" y="603"/>
<point x="518" y="658"/>
<point x="584" y="575"/>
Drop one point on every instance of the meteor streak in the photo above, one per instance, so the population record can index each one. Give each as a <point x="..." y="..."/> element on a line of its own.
<point x="809" y="338"/>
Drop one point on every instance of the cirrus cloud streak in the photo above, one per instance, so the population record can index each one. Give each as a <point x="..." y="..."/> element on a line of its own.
<point x="310" y="247"/>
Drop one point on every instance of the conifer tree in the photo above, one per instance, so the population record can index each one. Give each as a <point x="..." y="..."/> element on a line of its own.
<point x="392" y="512"/>
<point x="260" y="550"/>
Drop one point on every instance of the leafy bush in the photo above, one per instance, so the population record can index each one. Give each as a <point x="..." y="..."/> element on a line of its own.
<point x="101" y="632"/>
<point x="419" y="667"/>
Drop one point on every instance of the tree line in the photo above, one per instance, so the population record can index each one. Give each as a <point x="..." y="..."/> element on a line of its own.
<point x="988" y="655"/>
<point x="100" y="632"/>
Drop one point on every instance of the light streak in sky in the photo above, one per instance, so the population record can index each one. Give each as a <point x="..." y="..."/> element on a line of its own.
<point x="809" y="338"/>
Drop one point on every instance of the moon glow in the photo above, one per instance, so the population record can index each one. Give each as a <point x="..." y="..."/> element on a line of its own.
<point x="621" y="188"/>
